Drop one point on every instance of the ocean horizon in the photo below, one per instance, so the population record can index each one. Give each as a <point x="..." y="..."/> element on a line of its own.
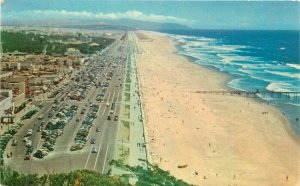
<point x="255" y="60"/>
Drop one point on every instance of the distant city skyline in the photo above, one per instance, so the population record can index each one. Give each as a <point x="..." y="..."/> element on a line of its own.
<point x="267" y="15"/>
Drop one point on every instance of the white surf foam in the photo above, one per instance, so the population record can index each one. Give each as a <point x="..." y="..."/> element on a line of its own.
<point x="296" y="66"/>
<point x="279" y="87"/>
<point x="286" y="74"/>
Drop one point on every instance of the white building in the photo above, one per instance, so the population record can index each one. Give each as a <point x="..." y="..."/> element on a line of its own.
<point x="6" y="105"/>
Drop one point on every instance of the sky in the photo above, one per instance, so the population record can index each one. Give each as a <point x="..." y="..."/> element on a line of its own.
<point x="266" y="15"/>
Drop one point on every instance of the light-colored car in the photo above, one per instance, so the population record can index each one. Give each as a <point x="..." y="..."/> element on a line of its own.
<point x="28" y="143"/>
<point x="25" y="139"/>
<point x="98" y="129"/>
<point x="14" y="142"/>
<point x="29" y="132"/>
<point x="94" y="150"/>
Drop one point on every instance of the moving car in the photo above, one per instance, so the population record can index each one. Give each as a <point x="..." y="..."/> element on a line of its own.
<point x="108" y="118"/>
<point x="116" y="118"/>
<point x="93" y="141"/>
<point x="94" y="150"/>
<point x="98" y="129"/>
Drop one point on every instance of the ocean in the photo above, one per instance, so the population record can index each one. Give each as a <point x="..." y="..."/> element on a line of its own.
<point x="255" y="60"/>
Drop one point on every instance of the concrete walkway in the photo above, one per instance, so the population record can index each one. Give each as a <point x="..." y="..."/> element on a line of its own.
<point x="136" y="144"/>
<point x="137" y="140"/>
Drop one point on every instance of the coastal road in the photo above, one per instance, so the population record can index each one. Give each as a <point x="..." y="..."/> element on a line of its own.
<point x="61" y="159"/>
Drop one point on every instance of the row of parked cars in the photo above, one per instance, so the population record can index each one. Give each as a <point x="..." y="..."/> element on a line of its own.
<point x="54" y="129"/>
<point x="30" y="113"/>
<point x="81" y="135"/>
<point x="89" y="77"/>
<point x="54" y="93"/>
<point x="6" y="136"/>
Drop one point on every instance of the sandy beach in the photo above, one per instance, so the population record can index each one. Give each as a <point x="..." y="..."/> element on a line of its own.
<point x="222" y="140"/>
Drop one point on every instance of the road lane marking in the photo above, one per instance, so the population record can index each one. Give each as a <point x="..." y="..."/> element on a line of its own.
<point x="106" y="103"/>
<point x="87" y="159"/>
<point x="108" y="97"/>
<point x="99" y="148"/>
<point x="117" y="96"/>
<point x="113" y="97"/>
<point x="115" y="110"/>
<point x="103" y="167"/>
<point x="104" y="109"/>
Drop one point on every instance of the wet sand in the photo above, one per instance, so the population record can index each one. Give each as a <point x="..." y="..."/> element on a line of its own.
<point x="219" y="140"/>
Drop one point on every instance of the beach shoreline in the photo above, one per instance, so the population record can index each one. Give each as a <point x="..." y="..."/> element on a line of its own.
<point x="228" y="78"/>
<point x="214" y="167"/>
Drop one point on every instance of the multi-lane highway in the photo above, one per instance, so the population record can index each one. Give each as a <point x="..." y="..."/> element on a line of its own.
<point x="62" y="159"/>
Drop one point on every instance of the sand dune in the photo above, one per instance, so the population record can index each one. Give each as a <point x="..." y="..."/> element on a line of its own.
<point x="223" y="140"/>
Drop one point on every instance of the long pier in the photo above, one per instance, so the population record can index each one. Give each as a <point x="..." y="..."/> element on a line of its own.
<point x="255" y="94"/>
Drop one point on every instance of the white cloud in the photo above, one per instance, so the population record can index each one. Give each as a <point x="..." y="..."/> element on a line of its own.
<point x="135" y="15"/>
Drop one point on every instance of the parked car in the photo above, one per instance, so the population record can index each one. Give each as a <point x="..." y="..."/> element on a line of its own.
<point x="98" y="129"/>
<point x="27" y="157"/>
<point x="29" y="132"/>
<point x="14" y="142"/>
<point x="28" y="143"/>
<point x="108" y="118"/>
<point x="40" y="153"/>
<point x="76" y="147"/>
<point x="29" y="150"/>
<point x="25" y="139"/>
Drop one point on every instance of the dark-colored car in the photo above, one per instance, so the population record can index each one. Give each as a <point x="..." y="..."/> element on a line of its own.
<point x="93" y="141"/>
<point x="27" y="157"/>
<point x="116" y="118"/>
<point x="29" y="150"/>
<point x="14" y="142"/>
<point x="108" y="118"/>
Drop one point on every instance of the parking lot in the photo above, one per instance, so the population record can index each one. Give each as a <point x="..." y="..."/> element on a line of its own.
<point x="76" y="126"/>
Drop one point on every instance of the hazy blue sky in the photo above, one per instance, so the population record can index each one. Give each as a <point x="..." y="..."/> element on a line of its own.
<point x="203" y="14"/>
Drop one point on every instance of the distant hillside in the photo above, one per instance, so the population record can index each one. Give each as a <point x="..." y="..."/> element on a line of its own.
<point x="122" y="24"/>
<point x="146" y="25"/>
